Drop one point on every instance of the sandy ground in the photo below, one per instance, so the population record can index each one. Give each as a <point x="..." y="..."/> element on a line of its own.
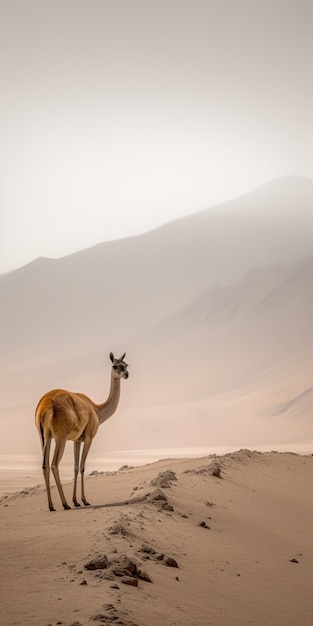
<point x="193" y="542"/>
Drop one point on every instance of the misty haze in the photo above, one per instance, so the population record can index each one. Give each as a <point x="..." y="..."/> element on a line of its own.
<point x="156" y="306"/>
<point x="214" y="311"/>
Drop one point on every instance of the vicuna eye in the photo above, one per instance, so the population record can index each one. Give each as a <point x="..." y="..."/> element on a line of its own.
<point x="115" y="367"/>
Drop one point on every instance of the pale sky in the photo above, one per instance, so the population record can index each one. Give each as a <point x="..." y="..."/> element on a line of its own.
<point x="119" y="115"/>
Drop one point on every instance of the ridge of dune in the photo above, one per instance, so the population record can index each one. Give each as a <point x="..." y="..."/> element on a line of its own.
<point x="214" y="540"/>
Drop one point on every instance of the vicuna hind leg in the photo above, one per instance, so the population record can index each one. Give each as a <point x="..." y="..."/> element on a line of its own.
<point x="46" y="470"/>
<point x="58" y="453"/>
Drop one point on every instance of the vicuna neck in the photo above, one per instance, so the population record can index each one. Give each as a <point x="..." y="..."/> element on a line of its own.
<point x="109" y="407"/>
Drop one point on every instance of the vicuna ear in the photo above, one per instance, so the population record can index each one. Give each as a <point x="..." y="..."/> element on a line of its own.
<point x="112" y="357"/>
<point x="122" y="357"/>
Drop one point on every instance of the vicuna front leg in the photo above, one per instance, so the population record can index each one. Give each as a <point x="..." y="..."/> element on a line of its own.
<point x="58" y="453"/>
<point x="86" y="448"/>
<point x="76" y="468"/>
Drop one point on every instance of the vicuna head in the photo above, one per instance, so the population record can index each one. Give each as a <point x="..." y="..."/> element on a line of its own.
<point x="119" y="367"/>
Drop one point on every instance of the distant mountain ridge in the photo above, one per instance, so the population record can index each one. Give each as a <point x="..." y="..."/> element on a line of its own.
<point x="233" y="332"/>
<point x="112" y="291"/>
<point x="281" y="287"/>
<point x="203" y="305"/>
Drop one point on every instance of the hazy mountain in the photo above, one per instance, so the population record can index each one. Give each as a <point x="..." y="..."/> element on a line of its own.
<point x="230" y="334"/>
<point x="235" y="366"/>
<point x="106" y="294"/>
<point x="186" y="302"/>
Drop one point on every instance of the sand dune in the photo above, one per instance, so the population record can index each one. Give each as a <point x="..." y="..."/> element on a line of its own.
<point x="188" y="542"/>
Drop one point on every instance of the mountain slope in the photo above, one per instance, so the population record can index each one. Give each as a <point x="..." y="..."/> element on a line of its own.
<point x="188" y="339"/>
<point x="230" y="334"/>
<point x="234" y="367"/>
<point x="105" y="295"/>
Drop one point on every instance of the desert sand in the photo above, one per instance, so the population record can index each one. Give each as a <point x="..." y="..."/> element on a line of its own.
<point x="191" y="542"/>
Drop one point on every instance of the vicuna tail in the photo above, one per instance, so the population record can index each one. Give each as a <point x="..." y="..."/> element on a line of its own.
<point x="42" y="435"/>
<point x="42" y="415"/>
